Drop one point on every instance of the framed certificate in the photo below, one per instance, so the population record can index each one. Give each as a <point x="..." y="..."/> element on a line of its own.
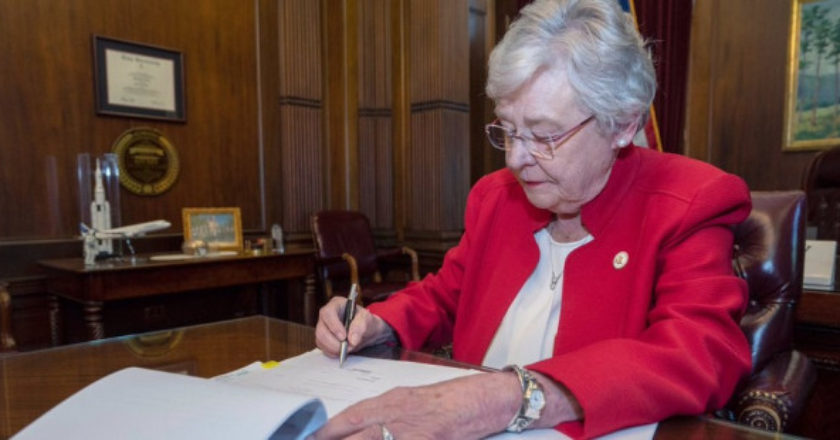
<point x="138" y="80"/>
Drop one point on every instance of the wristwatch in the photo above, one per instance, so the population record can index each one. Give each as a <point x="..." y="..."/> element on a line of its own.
<point x="533" y="400"/>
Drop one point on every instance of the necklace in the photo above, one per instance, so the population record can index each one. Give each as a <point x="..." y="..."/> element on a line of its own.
<point x="555" y="277"/>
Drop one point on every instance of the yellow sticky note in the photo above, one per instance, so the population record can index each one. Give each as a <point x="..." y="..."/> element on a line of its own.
<point x="270" y="364"/>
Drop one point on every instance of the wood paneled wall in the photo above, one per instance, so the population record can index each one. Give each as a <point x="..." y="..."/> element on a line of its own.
<point x="736" y="91"/>
<point x="438" y="157"/>
<point x="375" y="103"/>
<point x="292" y="106"/>
<point x="48" y="118"/>
<point x="290" y="109"/>
<point x="292" y="53"/>
<point x="484" y="20"/>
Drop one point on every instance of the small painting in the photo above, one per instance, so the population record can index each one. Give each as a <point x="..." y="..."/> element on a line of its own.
<point x="220" y="228"/>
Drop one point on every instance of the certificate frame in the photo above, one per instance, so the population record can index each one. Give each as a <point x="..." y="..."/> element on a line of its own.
<point x="219" y="228"/>
<point x="138" y="80"/>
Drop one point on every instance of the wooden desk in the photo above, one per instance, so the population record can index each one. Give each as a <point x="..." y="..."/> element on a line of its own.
<point x="819" y="308"/>
<point x="818" y="336"/>
<point x="33" y="382"/>
<point x="93" y="286"/>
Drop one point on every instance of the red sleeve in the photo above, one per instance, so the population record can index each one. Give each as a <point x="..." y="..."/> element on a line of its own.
<point x="423" y="313"/>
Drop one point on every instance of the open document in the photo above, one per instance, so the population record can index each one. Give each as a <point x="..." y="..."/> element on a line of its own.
<point x="137" y="403"/>
<point x="287" y="401"/>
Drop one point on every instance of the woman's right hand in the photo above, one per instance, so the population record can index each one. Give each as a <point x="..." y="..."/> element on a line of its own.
<point x="366" y="328"/>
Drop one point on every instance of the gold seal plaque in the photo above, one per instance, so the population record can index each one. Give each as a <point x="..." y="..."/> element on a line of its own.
<point x="148" y="162"/>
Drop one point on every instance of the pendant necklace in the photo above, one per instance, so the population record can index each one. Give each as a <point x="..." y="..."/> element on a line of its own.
<point x="555" y="277"/>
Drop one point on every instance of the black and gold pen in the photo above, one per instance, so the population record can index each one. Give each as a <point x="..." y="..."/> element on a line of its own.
<point x="349" y="314"/>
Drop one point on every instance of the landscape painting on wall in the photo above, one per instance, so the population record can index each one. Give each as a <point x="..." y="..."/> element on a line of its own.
<point x="812" y="119"/>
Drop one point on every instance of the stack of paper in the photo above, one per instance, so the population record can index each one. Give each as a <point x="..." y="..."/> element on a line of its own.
<point x="819" y="264"/>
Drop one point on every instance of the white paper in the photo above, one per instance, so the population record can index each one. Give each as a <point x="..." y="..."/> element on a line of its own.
<point x="137" y="403"/>
<point x="819" y="263"/>
<point x="140" y="81"/>
<point x="314" y="374"/>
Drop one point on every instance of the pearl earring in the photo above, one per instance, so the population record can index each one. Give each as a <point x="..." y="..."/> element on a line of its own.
<point x="622" y="143"/>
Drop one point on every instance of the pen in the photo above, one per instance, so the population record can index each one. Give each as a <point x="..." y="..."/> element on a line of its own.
<point x="349" y="314"/>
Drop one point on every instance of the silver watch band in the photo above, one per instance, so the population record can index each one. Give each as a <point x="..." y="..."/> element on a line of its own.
<point x="533" y="400"/>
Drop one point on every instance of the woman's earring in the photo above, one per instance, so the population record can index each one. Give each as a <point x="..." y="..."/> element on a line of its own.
<point x="622" y="143"/>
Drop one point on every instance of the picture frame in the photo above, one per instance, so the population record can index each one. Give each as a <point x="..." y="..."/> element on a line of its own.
<point x="138" y="80"/>
<point x="812" y="104"/>
<point x="219" y="228"/>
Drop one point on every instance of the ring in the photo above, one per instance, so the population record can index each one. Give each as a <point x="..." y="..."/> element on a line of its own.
<point x="386" y="435"/>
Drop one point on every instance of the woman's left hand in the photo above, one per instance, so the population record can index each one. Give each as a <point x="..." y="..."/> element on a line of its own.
<point x="474" y="406"/>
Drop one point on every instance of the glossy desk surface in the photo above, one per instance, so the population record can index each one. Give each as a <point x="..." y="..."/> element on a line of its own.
<point x="33" y="382"/>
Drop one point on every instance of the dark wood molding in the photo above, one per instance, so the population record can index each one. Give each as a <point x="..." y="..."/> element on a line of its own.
<point x="439" y="104"/>
<point x="298" y="101"/>
<point x="375" y="112"/>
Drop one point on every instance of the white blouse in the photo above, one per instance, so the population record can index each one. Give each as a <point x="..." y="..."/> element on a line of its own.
<point x="527" y="332"/>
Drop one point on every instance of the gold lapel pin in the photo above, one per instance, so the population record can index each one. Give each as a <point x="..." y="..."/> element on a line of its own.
<point x="620" y="260"/>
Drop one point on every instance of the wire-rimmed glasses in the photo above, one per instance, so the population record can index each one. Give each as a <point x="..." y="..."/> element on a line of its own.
<point x="501" y="138"/>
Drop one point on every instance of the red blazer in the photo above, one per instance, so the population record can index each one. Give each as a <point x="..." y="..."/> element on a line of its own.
<point x="636" y="344"/>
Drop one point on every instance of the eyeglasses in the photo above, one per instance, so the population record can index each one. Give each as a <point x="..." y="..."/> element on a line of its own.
<point x="501" y="138"/>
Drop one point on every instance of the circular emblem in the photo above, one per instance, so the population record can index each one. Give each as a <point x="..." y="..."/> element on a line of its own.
<point x="620" y="260"/>
<point x="148" y="162"/>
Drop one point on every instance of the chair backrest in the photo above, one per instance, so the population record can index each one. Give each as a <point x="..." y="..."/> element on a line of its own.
<point x="336" y="232"/>
<point x="769" y="254"/>
<point x="822" y="187"/>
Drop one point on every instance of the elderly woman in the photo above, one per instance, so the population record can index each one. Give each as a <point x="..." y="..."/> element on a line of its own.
<point x="596" y="274"/>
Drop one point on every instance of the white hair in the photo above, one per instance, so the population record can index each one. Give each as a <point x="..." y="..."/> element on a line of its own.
<point x="597" y="46"/>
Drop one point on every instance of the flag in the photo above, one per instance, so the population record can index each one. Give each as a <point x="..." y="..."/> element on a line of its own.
<point x="649" y="136"/>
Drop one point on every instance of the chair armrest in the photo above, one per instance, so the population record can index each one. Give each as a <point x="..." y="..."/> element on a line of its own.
<point x="396" y="252"/>
<point x="7" y="342"/>
<point x="773" y="398"/>
<point x="321" y="261"/>
<point x="345" y="257"/>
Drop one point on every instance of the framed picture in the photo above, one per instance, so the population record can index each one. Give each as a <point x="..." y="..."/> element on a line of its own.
<point x="812" y="113"/>
<point x="220" y="228"/>
<point x="138" y="80"/>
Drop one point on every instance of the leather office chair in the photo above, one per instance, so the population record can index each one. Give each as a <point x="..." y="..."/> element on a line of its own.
<point x="822" y="186"/>
<point x="768" y="254"/>
<point x="345" y="253"/>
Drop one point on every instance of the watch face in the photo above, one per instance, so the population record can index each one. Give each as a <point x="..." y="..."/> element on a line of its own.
<point x="537" y="399"/>
<point x="536" y="402"/>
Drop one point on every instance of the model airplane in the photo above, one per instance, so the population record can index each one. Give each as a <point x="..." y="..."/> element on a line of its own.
<point x="135" y="230"/>
<point x="92" y="236"/>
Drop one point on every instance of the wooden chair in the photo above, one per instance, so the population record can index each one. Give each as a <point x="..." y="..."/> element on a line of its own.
<point x="7" y="342"/>
<point x="769" y="253"/>
<point x="346" y="253"/>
